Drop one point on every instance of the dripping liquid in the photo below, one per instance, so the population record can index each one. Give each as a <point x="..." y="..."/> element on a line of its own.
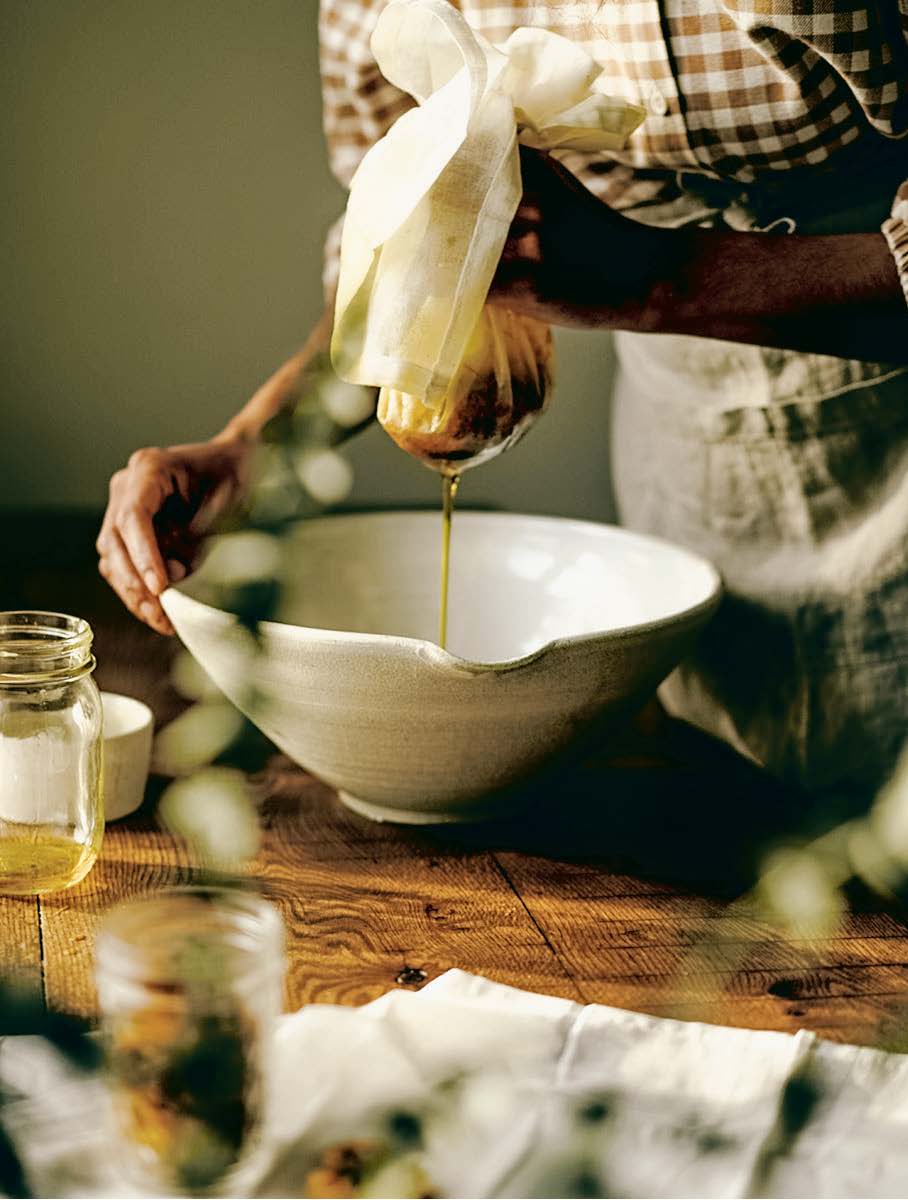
<point x="448" y="493"/>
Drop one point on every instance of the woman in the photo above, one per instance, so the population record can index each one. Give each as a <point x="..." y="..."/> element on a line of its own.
<point x="743" y="251"/>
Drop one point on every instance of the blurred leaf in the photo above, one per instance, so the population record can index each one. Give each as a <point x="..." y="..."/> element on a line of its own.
<point x="405" y="1128"/>
<point x="275" y="495"/>
<point x="800" y="1096"/>
<point x="241" y="558"/>
<point x="872" y="862"/>
<point x="249" y="751"/>
<point x="12" y="1176"/>
<point x="347" y="404"/>
<point x="401" y="1175"/>
<point x="799" y="1099"/>
<point x="798" y="892"/>
<point x="197" y="737"/>
<point x="595" y="1110"/>
<point x="22" y="1012"/>
<point x="191" y="680"/>
<point x="252" y="602"/>
<point x="889" y="816"/>
<point x="214" y="812"/>
<point x="204" y="1157"/>
<point x="326" y="475"/>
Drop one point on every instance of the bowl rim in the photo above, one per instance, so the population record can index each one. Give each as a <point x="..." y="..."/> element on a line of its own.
<point x="430" y="651"/>
<point x="142" y="716"/>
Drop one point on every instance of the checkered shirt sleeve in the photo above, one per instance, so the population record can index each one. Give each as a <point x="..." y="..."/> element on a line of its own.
<point x="736" y="90"/>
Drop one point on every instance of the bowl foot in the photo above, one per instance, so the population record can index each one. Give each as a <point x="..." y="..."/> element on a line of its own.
<point x="415" y="816"/>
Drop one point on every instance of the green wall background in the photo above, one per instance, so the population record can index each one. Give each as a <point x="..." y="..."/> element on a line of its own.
<point x="165" y="196"/>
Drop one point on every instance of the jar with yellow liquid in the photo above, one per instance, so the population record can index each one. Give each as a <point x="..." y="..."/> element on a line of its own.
<point x="51" y="806"/>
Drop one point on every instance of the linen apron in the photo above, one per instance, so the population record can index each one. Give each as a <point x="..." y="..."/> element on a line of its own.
<point x="790" y="472"/>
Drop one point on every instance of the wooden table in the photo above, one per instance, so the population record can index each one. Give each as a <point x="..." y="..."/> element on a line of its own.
<point x="602" y="892"/>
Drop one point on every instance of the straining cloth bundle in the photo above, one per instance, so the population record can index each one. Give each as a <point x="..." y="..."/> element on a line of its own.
<point x="432" y="201"/>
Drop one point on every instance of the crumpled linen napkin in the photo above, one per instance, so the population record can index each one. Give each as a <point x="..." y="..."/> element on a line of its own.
<point x="431" y="203"/>
<point x="693" y="1108"/>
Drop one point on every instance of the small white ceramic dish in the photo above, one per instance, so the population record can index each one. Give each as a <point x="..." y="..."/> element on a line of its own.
<point x="552" y="622"/>
<point x="128" y="726"/>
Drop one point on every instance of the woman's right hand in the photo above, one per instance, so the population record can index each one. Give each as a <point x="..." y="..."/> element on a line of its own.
<point x="160" y="505"/>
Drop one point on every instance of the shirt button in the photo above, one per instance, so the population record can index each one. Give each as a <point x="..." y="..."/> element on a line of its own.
<point x="655" y="101"/>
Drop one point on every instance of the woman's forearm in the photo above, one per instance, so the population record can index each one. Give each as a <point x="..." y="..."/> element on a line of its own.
<point x="280" y="390"/>
<point x="836" y="294"/>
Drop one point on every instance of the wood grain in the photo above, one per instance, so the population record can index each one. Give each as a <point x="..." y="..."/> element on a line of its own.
<point x="136" y="857"/>
<point x="20" y="941"/>
<point x="366" y="905"/>
<point x="637" y="944"/>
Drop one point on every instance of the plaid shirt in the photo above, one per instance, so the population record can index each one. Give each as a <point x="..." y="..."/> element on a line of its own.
<point x="735" y="90"/>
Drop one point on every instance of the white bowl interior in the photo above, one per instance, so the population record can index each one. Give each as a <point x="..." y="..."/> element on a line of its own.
<point x="124" y="716"/>
<point x="517" y="582"/>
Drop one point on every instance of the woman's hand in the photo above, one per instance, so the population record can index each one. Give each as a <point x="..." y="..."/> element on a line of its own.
<point x="160" y="504"/>
<point x="570" y="259"/>
<point x="163" y="501"/>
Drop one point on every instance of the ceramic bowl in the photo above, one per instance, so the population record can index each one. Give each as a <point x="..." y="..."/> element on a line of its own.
<point x="128" y="732"/>
<point x="553" y="623"/>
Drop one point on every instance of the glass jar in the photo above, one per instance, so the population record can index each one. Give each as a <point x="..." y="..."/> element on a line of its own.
<point x="51" y="807"/>
<point x="189" y="983"/>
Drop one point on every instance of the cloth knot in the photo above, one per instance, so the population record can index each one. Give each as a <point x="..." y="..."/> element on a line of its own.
<point x="431" y="203"/>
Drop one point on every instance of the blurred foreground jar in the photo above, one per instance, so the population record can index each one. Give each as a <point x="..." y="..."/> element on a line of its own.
<point x="51" y="806"/>
<point x="190" y="983"/>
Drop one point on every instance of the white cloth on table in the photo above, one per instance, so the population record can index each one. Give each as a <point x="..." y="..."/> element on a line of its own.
<point x="694" y="1109"/>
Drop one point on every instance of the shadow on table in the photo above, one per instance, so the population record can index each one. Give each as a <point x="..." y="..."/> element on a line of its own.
<point x="672" y="803"/>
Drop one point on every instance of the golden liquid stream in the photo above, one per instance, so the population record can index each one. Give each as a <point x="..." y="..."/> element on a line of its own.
<point x="448" y="493"/>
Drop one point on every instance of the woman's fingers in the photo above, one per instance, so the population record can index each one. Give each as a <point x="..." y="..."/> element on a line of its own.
<point x="131" y="559"/>
<point x="120" y="574"/>
<point x="160" y="505"/>
<point x="137" y="530"/>
<point x="148" y="485"/>
<point x="117" y="568"/>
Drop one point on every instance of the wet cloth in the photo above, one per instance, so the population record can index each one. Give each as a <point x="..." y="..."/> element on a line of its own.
<point x="431" y="202"/>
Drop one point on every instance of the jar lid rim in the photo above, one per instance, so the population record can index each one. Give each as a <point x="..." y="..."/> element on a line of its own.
<point x="38" y="646"/>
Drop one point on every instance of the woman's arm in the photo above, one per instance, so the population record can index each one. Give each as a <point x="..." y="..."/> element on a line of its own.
<point x="837" y="294"/>
<point x="572" y="260"/>
<point x="281" y="389"/>
<point x="164" y="498"/>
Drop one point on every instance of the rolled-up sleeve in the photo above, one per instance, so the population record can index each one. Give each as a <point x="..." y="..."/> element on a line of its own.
<point x="895" y="230"/>
<point x="358" y="104"/>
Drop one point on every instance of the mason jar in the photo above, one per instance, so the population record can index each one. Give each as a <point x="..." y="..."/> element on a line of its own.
<point x="190" y="983"/>
<point x="51" y="806"/>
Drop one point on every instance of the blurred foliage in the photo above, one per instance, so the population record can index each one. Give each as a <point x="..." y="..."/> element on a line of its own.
<point x="23" y="1013"/>
<point x="800" y="1097"/>
<point x="213" y="811"/>
<point x="211" y="748"/>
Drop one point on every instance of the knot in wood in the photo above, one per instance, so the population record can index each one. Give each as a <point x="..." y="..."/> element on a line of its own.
<point x="410" y="977"/>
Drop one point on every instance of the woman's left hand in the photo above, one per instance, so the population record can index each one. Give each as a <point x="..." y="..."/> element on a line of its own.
<point x="570" y="259"/>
